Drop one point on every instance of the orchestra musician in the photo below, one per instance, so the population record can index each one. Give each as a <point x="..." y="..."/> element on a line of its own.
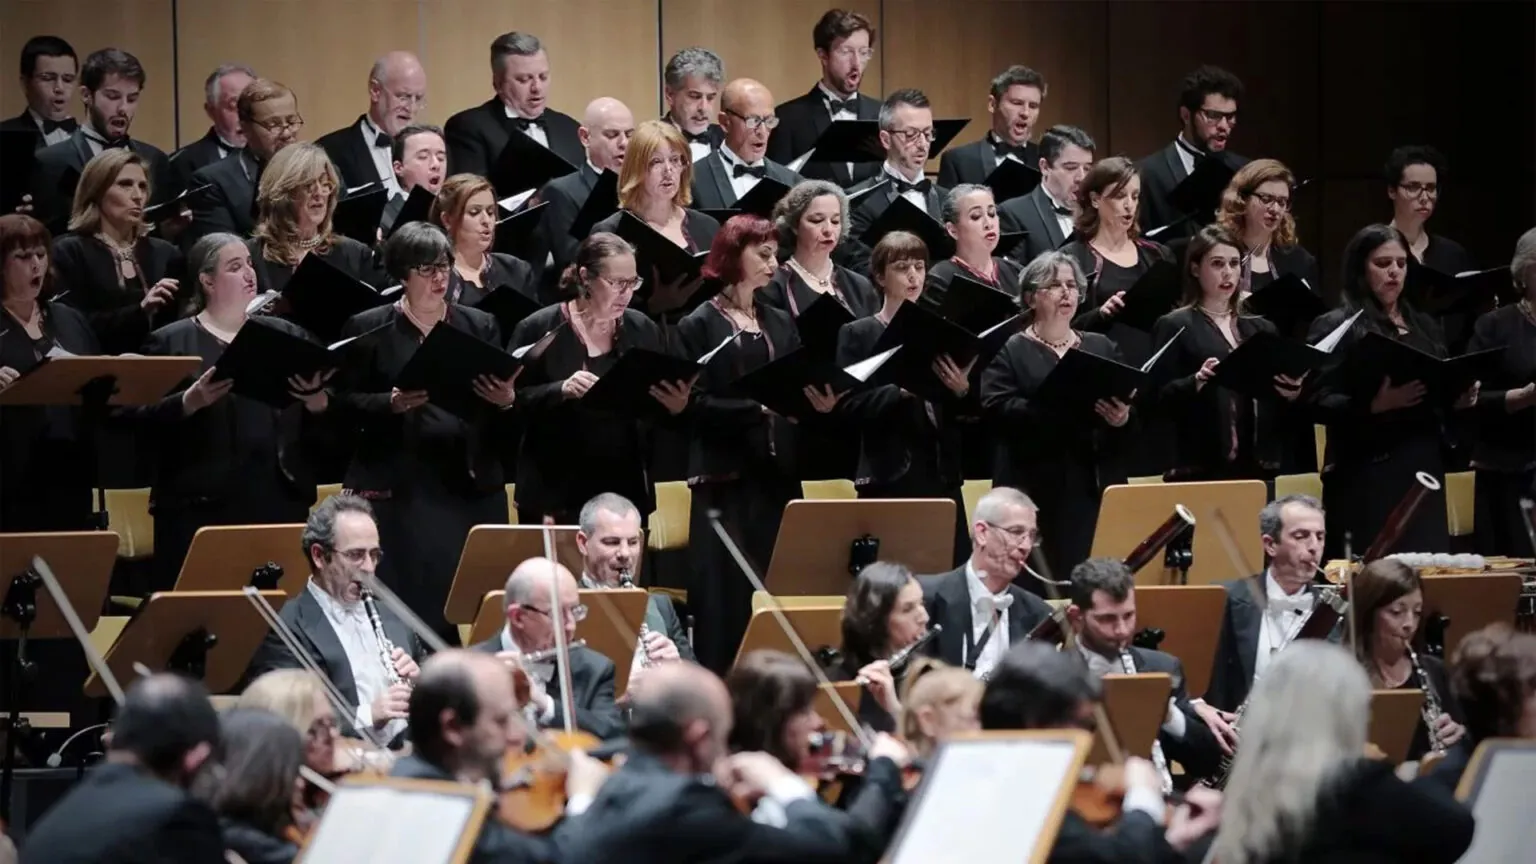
<point x="1305" y="791"/>
<point x="1103" y="615"/>
<point x="690" y="85"/>
<point x="253" y="796"/>
<point x="907" y="136"/>
<point x="1013" y="104"/>
<point x="1034" y="686"/>
<point x="1504" y="456"/>
<point x="1378" y="444"/>
<point x="883" y="613"/>
<point x="49" y="68"/>
<point x="418" y="158"/>
<point x="969" y="215"/>
<point x="1060" y="463"/>
<point x="1493" y="678"/>
<point x="298" y="696"/>
<point x="46" y="460"/>
<point x="844" y="43"/>
<point x="530" y="612"/>
<point x="721" y="178"/>
<point x="335" y="625"/>
<point x="1208" y="104"/>
<point x="520" y="76"/>
<point x="295" y="199"/>
<point x="940" y="701"/>
<point x="466" y="208"/>
<point x="270" y="120"/>
<point x="1387" y="600"/>
<point x="611" y="542"/>
<point x="137" y="805"/>
<point x="1264" y="611"/>
<point x="1045" y="214"/>
<point x="980" y="604"/>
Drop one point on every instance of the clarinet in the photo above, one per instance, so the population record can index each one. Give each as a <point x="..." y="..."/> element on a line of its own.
<point x="386" y="648"/>
<point x="645" y="656"/>
<point x="1431" y="710"/>
<point x="1159" y="761"/>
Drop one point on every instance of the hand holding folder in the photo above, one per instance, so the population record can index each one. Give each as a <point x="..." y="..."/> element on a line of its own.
<point x="276" y="365"/>
<point x="1084" y="383"/>
<point x="643" y="381"/>
<point x="460" y="373"/>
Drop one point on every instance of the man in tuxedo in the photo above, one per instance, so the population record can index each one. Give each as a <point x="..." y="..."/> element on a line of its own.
<point x="520" y="74"/>
<point x="1207" y="117"/>
<point x="1038" y="687"/>
<point x="529" y="629"/>
<point x="111" y="83"/>
<point x="843" y="42"/>
<point x="1066" y="154"/>
<point x="1103" y="616"/>
<point x="982" y="611"/>
<point x="906" y="134"/>
<point x="221" y="97"/>
<point x="334" y="626"/>
<point x="418" y="157"/>
<point x="397" y="93"/>
<point x="1014" y="103"/>
<point x="269" y="120"/>
<point x="136" y="806"/>
<point x="1264" y="611"/>
<point x="48" y="71"/>
<point x="691" y="86"/>
<point x="607" y="125"/>
<point x="723" y="177"/>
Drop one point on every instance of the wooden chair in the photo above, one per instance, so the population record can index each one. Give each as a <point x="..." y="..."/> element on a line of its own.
<point x="972" y="492"/>
<point x="841" y="490"/>
<point x="1299" y="484"/>
<point x="1460" y="495"/>
<point x="669" y="523"/>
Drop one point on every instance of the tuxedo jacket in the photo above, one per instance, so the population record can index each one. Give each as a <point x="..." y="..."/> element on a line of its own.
<point x="476" y="136"/>
<point x="193" y="158"/>
<point x="352" y="158"/>
<point x="1197" y="750"/>
<point x="57" y="172"/>
<point x="592" y="677"/>
<point x="712" y="188"/>
<point x="23" y="123"/>
<point x="1034" y="214"/>
<point x="229" y="204"/>
<point x="801" y="121"/>
<point x="975" y="162"/>
<point x="497" y="843"/>
<point x="1160" y="173"/>
<point x="948" y="599"/>
<point x="1237" y="646"/>
<point x="553" y="248"/>
<point x="853" y="252"/>
<point x="120" y="815"/>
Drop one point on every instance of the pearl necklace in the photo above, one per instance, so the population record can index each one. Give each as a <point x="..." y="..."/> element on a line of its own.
<point x="121" y="253"/>
<point x="312" y="242"/>
<point x="1055" y="346"/>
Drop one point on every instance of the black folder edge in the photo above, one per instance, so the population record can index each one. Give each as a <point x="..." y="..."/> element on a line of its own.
<point x="1272" y="355"/>
<point x="417" y="208"/>
<point x="359" y="214"/>
<point x="1143" y="305"/>
<point x="652" y="245"/>
<point x="522" y="158"/>
<point x="761" y="384"/>
<point x="602" y="202"/>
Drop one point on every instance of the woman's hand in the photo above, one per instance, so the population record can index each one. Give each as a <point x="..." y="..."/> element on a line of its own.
<point x="311" y="391"/>
<point x="823" y="400"/>
<point x="881" y="684"/>
<point x="1206" y="373"/>
<point x="673" y="395"/>
<point x="956" y="379"/>
<point x="578" y="384"/>
<point x="204" y="392"/>
<point x="1113" y="305"/>
<point x="1114" y="412"/>
<point x="1289" y="388"/>
<point x="159" y="294"/>
<point x="1390" y="398"/>
<point x="1469" y="398"/>
<point x="667" y="296"/>
<point x="8" y="376"/>
<point x="1448" y="730"/>
<point x="501" y="392"/>
<point x="1520" y="399"/>
<point x="401" y="401"/>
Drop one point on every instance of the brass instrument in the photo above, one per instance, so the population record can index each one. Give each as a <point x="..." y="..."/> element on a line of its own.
<point x="1430" y="710"/>
<point x="899" y="659"/>
<point x="1177" y="525"/>
<point x="547" y="653"/>
<point x="386" y="648"/>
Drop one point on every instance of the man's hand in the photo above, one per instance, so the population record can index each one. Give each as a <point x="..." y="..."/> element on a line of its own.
<point x="392" y="704"/>
<point x="405" y="667"/>
<point x="1222" y="725"/>
<point x="584" y="775"/>
<point x="1196" y="817"/>
<point x="659" y="648"/>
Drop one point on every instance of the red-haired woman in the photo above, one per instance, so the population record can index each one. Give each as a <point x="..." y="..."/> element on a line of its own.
<point x="741" y="459"/>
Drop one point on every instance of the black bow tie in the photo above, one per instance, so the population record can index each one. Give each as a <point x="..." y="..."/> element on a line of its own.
<point x="758" y="171"/>
<point x="903" y="187"/>
<point x="1197" y="154"/>
<point x="116" y="142"/>
<point x="383" y="140"/>
<point x="523" y="124"/>
<point x="849" y="105"/>
<point x="1061" y="211"/>
<point x="68" y="124"/>
<point x="697" y="137"/>
<point x="1003" y="150"/>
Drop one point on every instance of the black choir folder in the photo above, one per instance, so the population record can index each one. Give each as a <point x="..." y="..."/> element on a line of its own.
<point x="525" y="164"/>
<point x="1081" y="379"/>
<point x="17" y="153"/>
<point x="780" y="385"/>
<point x="819" y="324"/>
<point x="658" y="251"/>
<point x="859" y="141"/>
<point x="923" y="337"/>
<point x="508" y="306"/>
<point x="264" y="355"/>
<point x="903" y="215"/>
<point x="318" y="297"/>
<point x="1252" y="366"/>
<point x="1152" y="297"/>
<point x="1012" y="179"/>
<point x="1288" y="302"/>
<point x="602" y="202"/>
<point x="1376" y="357"/>
<point x="626" y="389"/>
<point x="449" y="360"/>
<point x="417" y="207"/>
<point x="360" y="212"/>
<point x="759" y="201"/>
<point x="972" y="304"/>
<point x="1470" y="291"/>
<point x="514" y="233"/>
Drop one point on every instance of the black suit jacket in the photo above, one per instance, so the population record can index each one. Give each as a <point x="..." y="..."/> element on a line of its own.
<point x="975" y="162"/>
<point x="553" y="248"/>
<point x="497" y="843"/>
<point x="1197" y="750"/>
<point x="801" y="121"/>
<point x="592" y="677"/>
<point x="712" y="181"/>
<point x="229" y="204"/>
<point x="57" y="172"/>
<point x="1160" y="173"/>
<point x="661" y="616"/>
<point x="1034" y="214"/>
<point x="476" y="136"/>
<point x="118" y="815"/>
<point x="949" y="603"/>
<point x="1237" y="646"/>
<point x="1133" y="839"/>
<point x="23" y="123"/>
<point x="193" y="158"/>
<point x="352" y="158"/>
<point x="853" y="252"/>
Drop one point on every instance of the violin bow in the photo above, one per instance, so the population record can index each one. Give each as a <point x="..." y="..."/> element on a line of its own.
<point x="557" y="625"/>
<point x="77" y="627"/>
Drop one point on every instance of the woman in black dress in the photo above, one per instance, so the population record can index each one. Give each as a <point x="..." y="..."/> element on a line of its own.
<point x="108" y="266"/>
<point x="570" y="454"/>
<point x="466" y="209"/>
<point x="1380" y="433"/>
<point x="431" y="475"/>
<point x="1063" y="462"/>
<point x="882" y="614"/>
<point x="1388" y="602"/>
<point x="223" y="459"/>
<point x="1504" y="456"/>
<point x="295" y="201"/>
<point x="909" y="446"/>
<point x="1219" y="434"/>
<point x="970" y="216"/>
<point x="47" y="465"/>
<point x="742" y="456"/>
<point x="1415" y="177"/>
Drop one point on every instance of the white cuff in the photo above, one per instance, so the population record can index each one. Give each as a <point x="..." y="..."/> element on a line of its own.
<point x="788" y="789"/>
<point x="578" y="804"/>
<point x="1175" y="723"/>
<point x="547" y="713"/>
<point x="364" y="718"/>
<point x="1145" y="800"/>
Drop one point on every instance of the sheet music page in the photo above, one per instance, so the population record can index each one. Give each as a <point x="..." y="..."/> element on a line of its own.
<point x="975" y="807"/>
<point x="865" y="368"/>
<point x="1505" y="830"/>
<point x="1331" y="341"/>
<point x="1152" y="361"/>
<point x="382" y="825"/>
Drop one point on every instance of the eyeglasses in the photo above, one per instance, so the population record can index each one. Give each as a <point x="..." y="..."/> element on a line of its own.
<point x="1059" y="288"/>
<point x="577" y="613"/>
<point x="358" y="556"/>
<point x="431" y="271"/>
<point x="852" y="53"/>
<point x="323" y="729"/>
<point x="1414" y="190"/>
<point x="1277" y="201"/>
<point x="417" y="99"/>
<point x="1017" y="533"/>
<point x="280" y="124"/>
<point x="755" y="123"/>
<point x="910" y="136"/>
<point x="624" y="286"/>
<point x="1212" y="116"/>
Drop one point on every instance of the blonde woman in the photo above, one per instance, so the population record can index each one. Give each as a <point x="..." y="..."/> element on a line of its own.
<point x="107" y="266"/>
<point x="298" y="696"/>
<point x="295" y="202"/>
<point x="941" y="700"/>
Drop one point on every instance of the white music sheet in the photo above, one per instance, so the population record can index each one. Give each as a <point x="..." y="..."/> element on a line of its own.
<point x="1505" y="832"/>
<point x="384" y="825"/>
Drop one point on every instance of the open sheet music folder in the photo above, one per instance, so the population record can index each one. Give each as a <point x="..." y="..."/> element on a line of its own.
<point x="395" y="821"/>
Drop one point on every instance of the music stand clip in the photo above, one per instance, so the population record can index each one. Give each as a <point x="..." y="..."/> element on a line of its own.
<point x="190" y="657"/>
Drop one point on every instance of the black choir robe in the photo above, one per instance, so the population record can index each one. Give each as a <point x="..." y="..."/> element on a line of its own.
<point x="1447" y="256"/>
<point x="801" y="121"/>
<point x="712" y="189"/>
<point x="346" y="254"/>
<point x="500" y="270"/>
<point x="86" y="277"/>
<point x="1504" y="456"/>
<point x="351" y="156"/>
<point x="1063" y="463"/>
<point x="975" y="162"/>
<point x="1161" y="172"/>
<point x="592" y="687"/>
<point x="196" y="156"/>
<point x="700" y="228"/>
<point x="1035" y="215"/>
<point x="941" y="273"/>
<point x="476" y="137"/>
<point x="853" y="252"/>
<point x="59" y="166"/>
<point x="229" y="204"/>
<point x="553" y="247"/>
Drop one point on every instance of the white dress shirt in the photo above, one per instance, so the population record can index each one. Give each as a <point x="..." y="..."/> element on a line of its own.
<point x="383" y="157"/>
<point x="361" y="644"/>
<point x="1282" y="614"/>
<point x="1186" y="153"/>
<point x="984" y="605"/>
<point x="536" y="131"/>
<point x="828" y="98"/>
<point x="54" y="137"/>
<point x="543" y="672"/>
<point x="1065" y="221"/>
<point x="912" y="195"/>
<point x="743" y="184"/>
<point x="93" y="139"/>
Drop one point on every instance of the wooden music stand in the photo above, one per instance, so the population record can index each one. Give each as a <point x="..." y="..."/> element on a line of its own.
<point x="392" y="820"/>
<point x="820" y="627"/>
<point x="1128" y="514"/>
<point x="812" y="552"/>
<point x="490" y="618"/>
<point x="227" y="557"/>
<point x="82" y="561"/>
<point x="614" y="639"/>
<point x="135" y="380"/>
<point x="1137" y="705"/>
<point x="1496" y="787"/>
<point x="492" y="552"/>
<point x="850" y="691"/>
<point x="1471" y="602"/>
<point x="978" y="782"/>
<point x="1394" y="719"/>
<point x="208" y="635"/>
<point x="1190" y="618"/>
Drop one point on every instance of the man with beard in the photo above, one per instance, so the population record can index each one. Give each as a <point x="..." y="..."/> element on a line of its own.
<point x="1066" y="154"/>
<point x="691" y="85"/>
<point x="397" y="93"/>
<point x="1014" y="105"/>
<point x="1208" y="115"/>
<point x="843" y="42"/>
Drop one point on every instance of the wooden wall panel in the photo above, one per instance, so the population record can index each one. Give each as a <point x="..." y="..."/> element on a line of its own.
<point x="140" y="27"/>
<point x="596" y="48"/>
<point x="770" y="42"/>
<point x="321" y="49"/>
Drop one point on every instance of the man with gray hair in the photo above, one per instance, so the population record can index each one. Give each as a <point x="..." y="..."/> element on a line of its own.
<point x="980" y="607"/>
<point x="221" y="91"/>
<point x="520" y="74"/>
<point x="361" y="151"/>
<point x="691" y="86"/>
<point x="611" y="542"/>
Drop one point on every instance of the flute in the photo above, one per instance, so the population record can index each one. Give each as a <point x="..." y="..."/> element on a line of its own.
<point x="899" y="659"/>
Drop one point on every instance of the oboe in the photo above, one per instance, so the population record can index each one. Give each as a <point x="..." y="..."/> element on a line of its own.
<point x="386" y="648"/>
<point x="1430" y="710"/>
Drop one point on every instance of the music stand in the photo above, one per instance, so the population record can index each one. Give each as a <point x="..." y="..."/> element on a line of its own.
<point x="820" y="627"/>
<point x="612" y="627"/>
<point x="207" y="635"/>
<point x="1496" y="787"/>
<point x="95" y="384"/>
<point x="492" y="552"/>
<point x="1394" y="720"/>
<point x="1137" y="706"/>
<point x="230" y="557"/>
<point x="1128" y="514"/>
<point x="490" y="618"/>
<point x="1471" y="601"/>
<point x="82" y="561"/>
<point x="392" y="820"/>
<point x="1189" y="617"/>
<point x="822" y="543"/>
<point x="850" y="691"/>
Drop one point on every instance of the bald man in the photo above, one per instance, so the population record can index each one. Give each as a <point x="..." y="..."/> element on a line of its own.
<point x="606" y="127"/>
<point x="747" y="117"/>
<point x="397" y="93"/>
<point x="530" y="628"/>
